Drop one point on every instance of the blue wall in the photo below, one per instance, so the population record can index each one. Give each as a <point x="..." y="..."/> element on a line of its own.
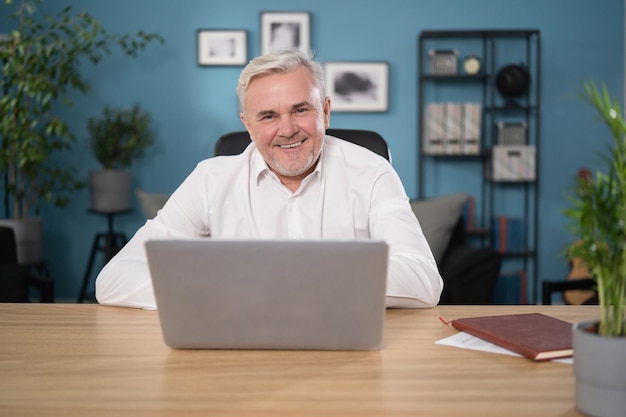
<point x="192" y="106"/>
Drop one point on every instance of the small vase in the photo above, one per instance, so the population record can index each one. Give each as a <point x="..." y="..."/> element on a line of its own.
<point x="600" y="371"/>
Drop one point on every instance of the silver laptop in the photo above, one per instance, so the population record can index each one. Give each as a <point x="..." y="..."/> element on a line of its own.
<point x="243" y="294"/>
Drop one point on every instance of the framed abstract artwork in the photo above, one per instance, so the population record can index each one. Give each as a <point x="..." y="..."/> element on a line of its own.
<point x="358" y="86"/>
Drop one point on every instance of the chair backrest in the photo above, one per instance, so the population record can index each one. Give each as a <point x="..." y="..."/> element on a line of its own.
<point x="586" y="284"/>
<point x="235" y="142"/>
<point x="8" y="246"/>
<point x="14" y="278"/>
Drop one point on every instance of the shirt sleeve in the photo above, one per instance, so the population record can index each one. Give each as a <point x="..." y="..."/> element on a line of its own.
<point x="125" y="280"/>
<point x="413" y="279"/>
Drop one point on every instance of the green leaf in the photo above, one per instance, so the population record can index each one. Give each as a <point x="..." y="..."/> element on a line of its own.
<point x="598" y="213"/>
<point x="41" y="62"/>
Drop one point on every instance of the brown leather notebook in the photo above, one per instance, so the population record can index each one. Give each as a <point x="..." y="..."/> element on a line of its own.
<point x="534" y="335"/>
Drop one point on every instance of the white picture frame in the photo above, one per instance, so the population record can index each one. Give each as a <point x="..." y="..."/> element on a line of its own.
<point x="358" y="86"/>
<point x="222" y="47"/>
<point x="285" y="30"/>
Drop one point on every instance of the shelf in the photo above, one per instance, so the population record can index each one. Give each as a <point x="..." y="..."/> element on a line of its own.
<point x="472" y="33"/>
<point x="510" y="109"/>
<point x="511" y="182"/>
<point x="454" y="155"/>
<point x="455" y="77"/>
<point x="510" y="198"/>
<point x="478" y="232"/>
<point x="518" y="254"/>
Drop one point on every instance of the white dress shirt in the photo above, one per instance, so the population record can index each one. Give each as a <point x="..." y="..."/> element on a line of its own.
<point x="352" y="194"/>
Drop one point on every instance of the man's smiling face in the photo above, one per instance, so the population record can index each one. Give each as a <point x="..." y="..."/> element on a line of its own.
<point x="286" y="117"/>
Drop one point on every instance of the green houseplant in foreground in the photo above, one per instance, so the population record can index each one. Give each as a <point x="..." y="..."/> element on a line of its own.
<point x="41" y="60"/>
<point x="117" y="138"/>
<point x="598" y="216"/>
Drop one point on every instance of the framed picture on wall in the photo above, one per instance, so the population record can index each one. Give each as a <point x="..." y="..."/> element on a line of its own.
<point x="357" y="86"/>
<point x="222" y="47"/>
<point x="285" y="30"/>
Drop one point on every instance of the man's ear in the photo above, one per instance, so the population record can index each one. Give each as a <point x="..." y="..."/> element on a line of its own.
<point x="327" y="112"/>
<point x="242" y="116"/>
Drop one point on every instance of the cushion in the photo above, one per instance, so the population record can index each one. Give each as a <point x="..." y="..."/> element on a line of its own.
<point x="438" y="216"/>
<point x="151" y="203"/>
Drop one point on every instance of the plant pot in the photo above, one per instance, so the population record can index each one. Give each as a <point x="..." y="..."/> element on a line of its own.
<point x="28" y="237"/>
<point x="109" y="190"/>
<point x="600" y="371"/>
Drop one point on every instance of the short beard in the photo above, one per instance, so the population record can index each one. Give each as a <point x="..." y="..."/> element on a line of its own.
<point x="281" y="170"/>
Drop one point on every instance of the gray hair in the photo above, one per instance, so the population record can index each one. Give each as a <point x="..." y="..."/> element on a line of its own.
<point x="278" y="63"/>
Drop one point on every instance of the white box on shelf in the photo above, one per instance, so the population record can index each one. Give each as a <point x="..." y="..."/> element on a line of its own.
<point x="471" y="128"/>
<point x="452" y="128"/>
<point x="433" y="128"/>
<point x="513" y="163"/>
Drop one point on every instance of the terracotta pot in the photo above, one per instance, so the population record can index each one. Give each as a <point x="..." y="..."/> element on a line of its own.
<point x="600" y="371"/>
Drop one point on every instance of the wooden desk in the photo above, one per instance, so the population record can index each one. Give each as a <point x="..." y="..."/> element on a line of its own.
<point x="91" y="360"/>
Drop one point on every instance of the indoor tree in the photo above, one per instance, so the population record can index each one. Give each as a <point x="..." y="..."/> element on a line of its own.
<point x="41" y="58"/>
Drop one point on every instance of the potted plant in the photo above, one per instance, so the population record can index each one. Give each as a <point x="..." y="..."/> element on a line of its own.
<point x="598" y="215"/>
<point x="41" y="64"/>
<point x="117" y="138"/>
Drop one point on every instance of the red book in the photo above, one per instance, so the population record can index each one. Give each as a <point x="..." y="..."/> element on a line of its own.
<point x="503" y="234"/>
<point x="469" y="213"/>
<point x="534" y="335"/>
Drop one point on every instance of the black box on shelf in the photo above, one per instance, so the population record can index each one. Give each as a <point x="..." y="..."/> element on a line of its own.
<point x="443" y="62"/>
<point x="512" y="133"/>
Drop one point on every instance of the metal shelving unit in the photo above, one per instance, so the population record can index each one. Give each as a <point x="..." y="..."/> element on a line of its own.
<point x="496" y="49"/>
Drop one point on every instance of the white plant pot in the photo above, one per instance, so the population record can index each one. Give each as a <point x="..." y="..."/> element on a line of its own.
<point x="109" y="190"/>
<point x="28" y="237"/>
<point x="600" y="371"/>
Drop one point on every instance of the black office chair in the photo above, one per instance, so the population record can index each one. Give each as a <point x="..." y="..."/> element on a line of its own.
<point x="16" y="279"/>
<point x="235" y="142"/>
<point x="549" y="288"/>
<point x="579" y="287"/>
<point x="470" y="273"/>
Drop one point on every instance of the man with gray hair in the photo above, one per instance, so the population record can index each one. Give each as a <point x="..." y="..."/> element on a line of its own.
<point x="292" y="182"/>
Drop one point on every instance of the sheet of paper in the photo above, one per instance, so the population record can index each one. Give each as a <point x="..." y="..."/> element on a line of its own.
<point x="465" y="340"/>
